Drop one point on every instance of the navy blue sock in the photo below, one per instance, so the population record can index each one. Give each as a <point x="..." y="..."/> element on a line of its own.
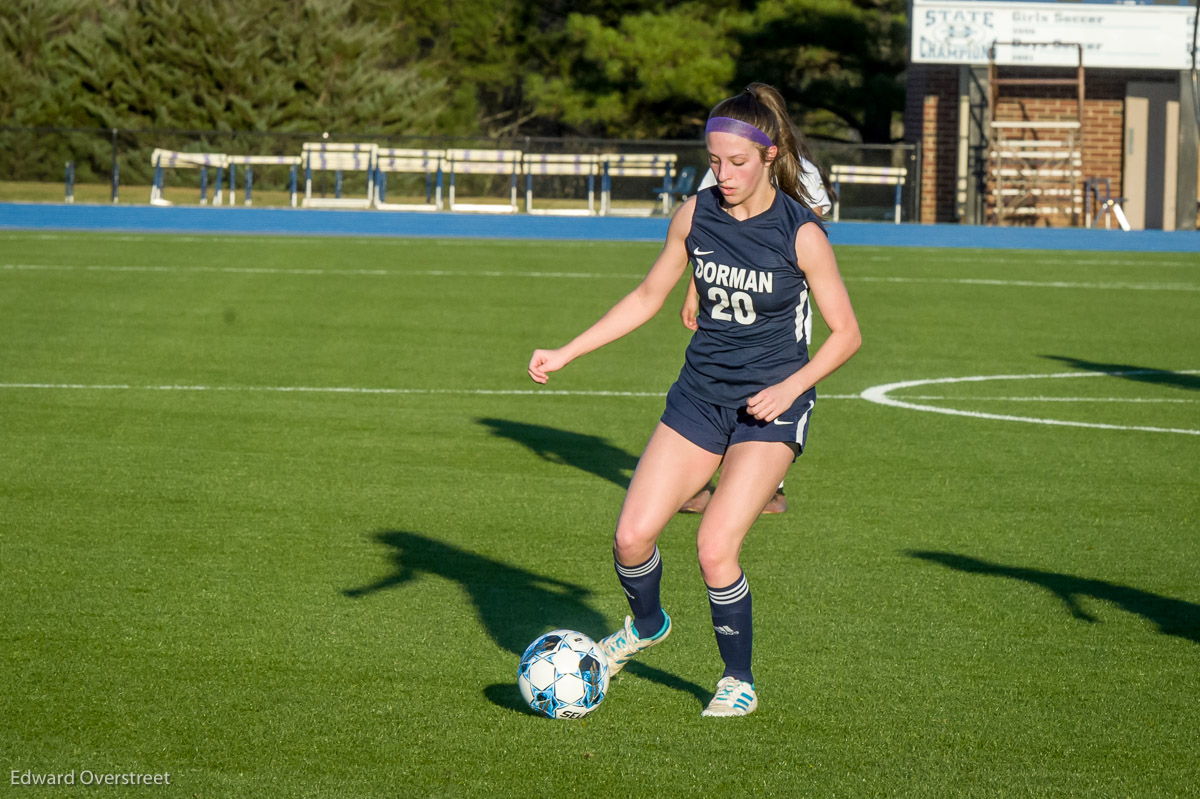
<point x="732" y="622"/>
<point x="641" y="585"/>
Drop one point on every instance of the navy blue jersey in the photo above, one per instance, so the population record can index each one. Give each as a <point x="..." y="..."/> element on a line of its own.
<point x="755" y="320"/>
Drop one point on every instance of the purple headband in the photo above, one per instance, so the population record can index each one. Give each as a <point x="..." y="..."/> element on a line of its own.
<point x="738" y="128"/>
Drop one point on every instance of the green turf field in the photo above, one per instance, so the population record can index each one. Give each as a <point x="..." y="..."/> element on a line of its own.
<point x="278" y="516"/>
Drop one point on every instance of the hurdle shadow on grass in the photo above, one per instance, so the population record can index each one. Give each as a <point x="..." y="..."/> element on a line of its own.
<point x="1139" y="374"/>
<point x="515" y="606"/>
<point x="1172" y="616"/>
<point x="587" y="453"/>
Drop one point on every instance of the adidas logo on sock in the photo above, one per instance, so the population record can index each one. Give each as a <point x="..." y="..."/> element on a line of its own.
<point x="725" y="629"/>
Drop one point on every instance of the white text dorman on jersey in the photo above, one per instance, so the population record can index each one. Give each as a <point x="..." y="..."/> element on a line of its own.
<point x="734" y="277"/>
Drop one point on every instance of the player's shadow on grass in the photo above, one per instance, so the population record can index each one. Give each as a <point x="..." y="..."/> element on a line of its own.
<point x="1173" y="616"/>
<point x="1140" y="374"/>
<point x="514" y="605"/>
<point x="588" y="453"/>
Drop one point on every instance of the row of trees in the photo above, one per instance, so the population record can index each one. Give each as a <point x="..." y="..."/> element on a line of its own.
<point x="593" y="68"/>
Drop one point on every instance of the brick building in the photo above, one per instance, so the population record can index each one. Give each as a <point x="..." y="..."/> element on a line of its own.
<point x="1029" y="114"/>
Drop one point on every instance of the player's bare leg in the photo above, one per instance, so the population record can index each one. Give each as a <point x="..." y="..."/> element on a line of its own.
<point x="751" y="473"/>
<point x="670" y="470"/>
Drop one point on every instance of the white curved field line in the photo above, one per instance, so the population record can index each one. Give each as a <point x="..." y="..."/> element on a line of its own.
<point x="880" y="395"/>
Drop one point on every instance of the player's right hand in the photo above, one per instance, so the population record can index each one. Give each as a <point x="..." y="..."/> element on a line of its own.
<point x="543" y="362"/>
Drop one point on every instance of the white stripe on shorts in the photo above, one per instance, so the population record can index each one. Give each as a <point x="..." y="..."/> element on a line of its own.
<point x="802" y="427"/>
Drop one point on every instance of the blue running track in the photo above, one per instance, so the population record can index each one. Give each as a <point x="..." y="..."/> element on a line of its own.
<point x="313" y="222"/>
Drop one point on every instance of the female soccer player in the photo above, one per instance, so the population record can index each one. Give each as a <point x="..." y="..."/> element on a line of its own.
<point x="817" y="190"/>
<point x="746" y="390"/>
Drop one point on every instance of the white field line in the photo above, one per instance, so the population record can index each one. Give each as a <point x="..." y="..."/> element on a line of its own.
<point x="515" y="392"/>
<point x="1041" y="284"/>
<point x="885" y="254"/>
<point x="881" y="396"/>
<point x="1166" y="259"/>
<point x="251" y="270"/>
<point x="332" y="390"/>
<point x="537" y="392"/>
<point x="1159" y="259"/>
<point x="877" y="394"/>
<point x="243" y="238"/>
<point x="531" y="392"/>
<point x="462" y="273"/>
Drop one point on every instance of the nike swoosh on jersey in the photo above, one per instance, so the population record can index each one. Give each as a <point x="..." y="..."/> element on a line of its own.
<point x="780" y="421"/>
<point x="699" y="251"/>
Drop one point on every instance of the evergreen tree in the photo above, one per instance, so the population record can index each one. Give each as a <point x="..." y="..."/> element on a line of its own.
<point x="649" y="75"/>
<point x="612" y="68"/>
<point x="839" y="63"/>
<point x="284" y="66"/>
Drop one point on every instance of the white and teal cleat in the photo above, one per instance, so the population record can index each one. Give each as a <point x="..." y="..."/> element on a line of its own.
<point x="734" y="698"/>
<point x="625" y="643"/>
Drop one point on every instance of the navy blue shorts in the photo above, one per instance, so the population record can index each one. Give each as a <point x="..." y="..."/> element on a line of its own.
<point x="715" y="427"/>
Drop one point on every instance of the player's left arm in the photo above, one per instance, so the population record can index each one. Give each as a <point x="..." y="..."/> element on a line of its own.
<point x="828" y="291"/>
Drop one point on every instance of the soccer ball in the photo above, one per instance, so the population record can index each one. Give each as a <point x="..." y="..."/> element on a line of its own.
<point x="563" y="675"/>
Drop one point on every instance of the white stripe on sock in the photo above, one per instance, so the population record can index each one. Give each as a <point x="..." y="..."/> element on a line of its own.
<point x="639" y="571"/>
<point x="734" y="593"/>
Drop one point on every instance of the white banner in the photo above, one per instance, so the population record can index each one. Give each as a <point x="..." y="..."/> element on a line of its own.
<point x="1131" y="36"/>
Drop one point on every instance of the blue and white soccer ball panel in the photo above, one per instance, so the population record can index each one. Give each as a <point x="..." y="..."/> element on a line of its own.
<point x="563" y="674"/>
<point x="541" y="674"/>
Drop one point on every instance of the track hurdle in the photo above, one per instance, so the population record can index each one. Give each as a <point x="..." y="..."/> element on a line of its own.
<point x="639" y="165"/>
<point x="484" y="162"/>
<point x="401" y="160"/>
<point x="881" y="175"/>
<point x="248" y="163"/>
<point x="170" y="159"/>
<point x="338" y="158"/>
<point x="561" y="164"/>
